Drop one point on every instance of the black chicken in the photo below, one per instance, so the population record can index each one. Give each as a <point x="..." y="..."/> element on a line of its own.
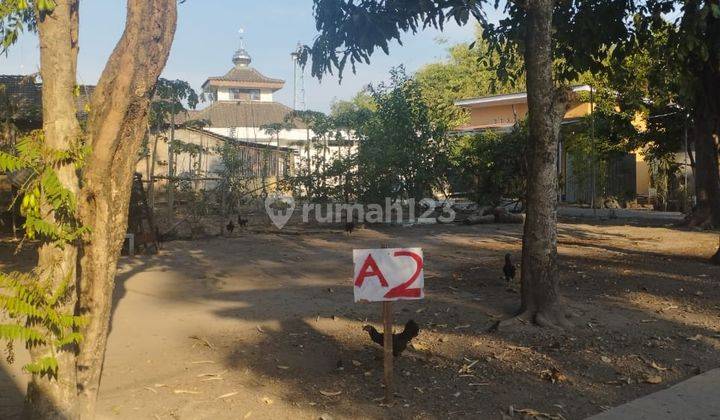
<point x="230" y="227"/>
<point x="509" y="269"/>
<point x="242" y="222"/>
<point x="349" y="227"/>
<point x="400" y="340"/>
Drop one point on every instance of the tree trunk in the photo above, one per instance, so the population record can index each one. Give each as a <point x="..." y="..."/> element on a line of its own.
<point x="707" y="174"/>
<point x="540" y="292"/>
<point x="715" y="259"/>
<point x="705" y="136"/>
<point x="54" y="398"/>
<point x="116" y="127"/>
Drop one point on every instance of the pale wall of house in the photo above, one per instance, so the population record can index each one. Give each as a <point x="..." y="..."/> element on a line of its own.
<point x="257" y="134"/>
<point x="642" y="177"/>
<point x="644" y="182"/>
<point x="511" y="113"/>
<point x="224" y="94"/>
<point x="207" y="163"/>
<point x="210" y="163"/>
<point x="578" y="110"/>
<point x="497" y="115"/>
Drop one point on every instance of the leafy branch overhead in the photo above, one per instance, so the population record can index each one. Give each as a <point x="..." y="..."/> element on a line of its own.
<point x="351" y="31"/>
<point x="170" y="99"/>
<point x="18" y="16"/>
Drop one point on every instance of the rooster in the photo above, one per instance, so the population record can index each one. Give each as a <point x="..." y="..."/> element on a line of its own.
<point x="509" y="269"/>
<point x="400" y="340"/>
<point x="230" y="227"/>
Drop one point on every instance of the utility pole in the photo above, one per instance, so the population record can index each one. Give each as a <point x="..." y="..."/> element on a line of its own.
<point x="171" y="165"/>
<point x="685" y="165"/>
<point x="592" y="151"/>
<point x="295" y="57"/>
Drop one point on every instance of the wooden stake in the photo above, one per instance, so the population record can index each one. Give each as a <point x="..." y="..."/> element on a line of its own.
<point x="388" y="346"/>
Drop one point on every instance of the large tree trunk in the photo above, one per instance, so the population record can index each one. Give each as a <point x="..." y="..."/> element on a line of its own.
<point x="706" y="135"/>
<point x="546" y="105"/>
<point x="117" y="124"/>
<point x="54" y="398"/>
<point x="707" y="172"/>
<point x="715" y="259"/>
<point x="706" y="132"/>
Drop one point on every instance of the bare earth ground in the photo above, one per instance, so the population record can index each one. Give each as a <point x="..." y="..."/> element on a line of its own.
<point x="273" y="318"/>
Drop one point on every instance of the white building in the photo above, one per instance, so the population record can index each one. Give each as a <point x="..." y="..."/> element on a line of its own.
<point x="242" y="105"/>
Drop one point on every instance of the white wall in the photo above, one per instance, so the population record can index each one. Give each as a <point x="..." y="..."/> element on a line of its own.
<point x="266" y="96"/>
<point x="223" y="94"/>
<point x="295" y="138"/>
<point x="255" y="133"/>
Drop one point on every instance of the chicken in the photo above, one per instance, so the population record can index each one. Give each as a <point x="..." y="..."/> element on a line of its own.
<point x="400" y="340"/>
<point x="159" y="237"/>
<point x="509" y="269"/>
<point x="349" y="227"/>
<point x="242" y="222"/>
<point x="230" y="227"/>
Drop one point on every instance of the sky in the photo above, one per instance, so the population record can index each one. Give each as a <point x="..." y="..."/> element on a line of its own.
<point x="207" y="36"/>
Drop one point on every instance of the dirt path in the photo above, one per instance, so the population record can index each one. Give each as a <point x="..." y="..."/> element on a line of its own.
<point x="275" y="327"/>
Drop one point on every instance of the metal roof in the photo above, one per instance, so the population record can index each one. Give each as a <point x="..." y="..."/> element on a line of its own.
<point x="507" y="99"/>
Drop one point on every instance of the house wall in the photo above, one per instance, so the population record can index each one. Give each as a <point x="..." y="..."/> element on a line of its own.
<point x="296" y="139"/>
<point x="498" y="115"/>
<point x="508" y="114"/>
<point x="504" y="115"/>
<point x="642" y="182"/>
<point x="209" y="163"/>
<point x="256" y="134"/>
<point x="225" y="94"/>
<point x="266" y="95"/>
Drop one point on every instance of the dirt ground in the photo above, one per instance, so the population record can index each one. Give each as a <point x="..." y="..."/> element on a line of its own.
<point x="263" y="325"/>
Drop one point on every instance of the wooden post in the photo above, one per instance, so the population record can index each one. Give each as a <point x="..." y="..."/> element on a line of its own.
<point x="388" y="346"/>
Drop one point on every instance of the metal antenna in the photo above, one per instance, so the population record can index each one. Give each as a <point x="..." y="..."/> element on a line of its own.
<point x="241" y="33"/>
<point x="298" y="80"/>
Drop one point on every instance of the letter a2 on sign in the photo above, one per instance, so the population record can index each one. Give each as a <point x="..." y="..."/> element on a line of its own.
<point x="388" y="274"/>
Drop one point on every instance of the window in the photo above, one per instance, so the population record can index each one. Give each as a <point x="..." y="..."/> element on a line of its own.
<point x="245" y="94"/>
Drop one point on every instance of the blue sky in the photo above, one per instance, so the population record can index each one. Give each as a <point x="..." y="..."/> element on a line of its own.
<point x="207" y="36"/>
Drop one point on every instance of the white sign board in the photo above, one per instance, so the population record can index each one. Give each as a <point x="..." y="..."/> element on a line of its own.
<point x="388" y="274"/>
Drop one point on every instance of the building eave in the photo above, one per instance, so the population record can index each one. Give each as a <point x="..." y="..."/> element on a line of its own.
<point x="239" y="142"/>
<point x="219" y="82"/>
<point x="507" y="99"/>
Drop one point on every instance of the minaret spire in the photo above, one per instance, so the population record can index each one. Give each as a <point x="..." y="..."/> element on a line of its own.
<point x="241" y="58"/>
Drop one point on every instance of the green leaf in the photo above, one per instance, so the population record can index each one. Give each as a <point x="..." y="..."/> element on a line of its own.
<point x="45" y="366"/>
<point x="715" y="10"/>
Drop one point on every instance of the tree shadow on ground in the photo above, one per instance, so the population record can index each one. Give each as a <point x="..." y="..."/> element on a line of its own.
<point x="307" y="341"/>
<point x="11" y="397"/>
<point x="295" y="288"/>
